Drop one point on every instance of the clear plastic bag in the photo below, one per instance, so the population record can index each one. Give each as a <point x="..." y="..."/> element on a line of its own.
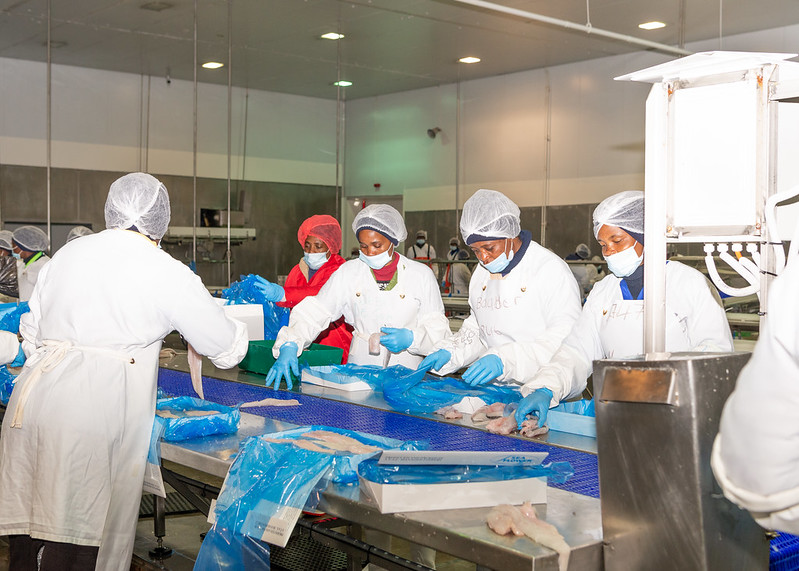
<point x="8" y="276"/>
<point x="244" y="291"/>
<point x="183" y="418"/>
<point x="153" y="482"/>
<point x="224" y="550"/>
<point x="557" y="472"/>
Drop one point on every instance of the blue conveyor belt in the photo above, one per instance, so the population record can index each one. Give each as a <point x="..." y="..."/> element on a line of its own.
<point x="784" y="553"/>
<point x="442" y="436"/>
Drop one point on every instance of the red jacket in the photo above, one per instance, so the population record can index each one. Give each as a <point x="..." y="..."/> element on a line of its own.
<point x="297" y="288"/>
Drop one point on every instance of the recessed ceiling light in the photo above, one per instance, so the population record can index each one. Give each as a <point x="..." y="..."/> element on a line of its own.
<point x="343" y="83"/>
<point x="156" y="6"/>
<point x="469" y="59"/>
<point x="332" y="36"/>
<point x="212" y="65"/>
<point x="651" y="25"/>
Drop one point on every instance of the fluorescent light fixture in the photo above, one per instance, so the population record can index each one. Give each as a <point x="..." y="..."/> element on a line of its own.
<point x="212" y="65"/>
<point x="469" y="59"/>
<point x="343" y="83"/>
<point x="332" y="36"/>
<point x="651" y="25"/>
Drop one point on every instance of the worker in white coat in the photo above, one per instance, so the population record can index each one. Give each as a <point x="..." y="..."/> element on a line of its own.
<point x="76" y="433"/>
<point x="382" y="293"/>
<point x="29" y="246"/>
<point x="755" y="455"/>
<point x="422" y="250"/>
<point x="611" y="325"/>
<point x="523" y="299"/>
<point x="585" y="274"/>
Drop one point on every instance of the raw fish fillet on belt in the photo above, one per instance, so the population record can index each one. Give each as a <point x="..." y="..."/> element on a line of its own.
<point x="327" y="442"/>
<point x="484" y="413"/>
<point x="196" y="371"/>
<point x="523" y="520"/>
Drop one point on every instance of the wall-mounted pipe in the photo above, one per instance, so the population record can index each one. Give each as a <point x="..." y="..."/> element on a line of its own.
<point x="574" y="26"/>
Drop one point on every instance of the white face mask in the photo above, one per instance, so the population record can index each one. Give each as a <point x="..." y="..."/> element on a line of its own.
<point x="377" y="261"/>
<point x="315" y="260"/>
<point x="624" y="263"/>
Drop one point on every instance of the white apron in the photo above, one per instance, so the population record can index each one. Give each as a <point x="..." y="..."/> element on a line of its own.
<point x="621" y="328"/>
<point x="107" y="399"/>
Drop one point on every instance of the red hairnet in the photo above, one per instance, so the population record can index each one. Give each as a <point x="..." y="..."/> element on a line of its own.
<point x="324" y="227"/>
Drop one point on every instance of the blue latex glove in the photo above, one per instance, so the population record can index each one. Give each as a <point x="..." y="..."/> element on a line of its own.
<point x="272" y="292"/>
<point x="396" y="340"/>
<point x="536" y="402"/>
<point x="435" y="360"/>
<point x="20" y="359"/>
<point x="484" y="370"/>
<point x="284" y="366"/>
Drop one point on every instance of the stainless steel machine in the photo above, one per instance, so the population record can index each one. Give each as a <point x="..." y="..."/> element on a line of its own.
<point x="661" y="507"/>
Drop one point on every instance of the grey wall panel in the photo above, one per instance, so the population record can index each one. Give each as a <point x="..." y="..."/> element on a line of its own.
<point x="275" y="210"/>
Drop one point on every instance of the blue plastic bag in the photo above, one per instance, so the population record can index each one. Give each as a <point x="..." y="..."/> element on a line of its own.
<point x="411" y="391"/>
<point x="224" y="550"/>
<point x="186" y="426"/>
<point x="345" y="464"/>
<point x="244" y="291"/>
<point x="10" y="314"/>
<point x="266" y="488"/>
<point x="7" y="381"/>
<point x="371" y="470"/>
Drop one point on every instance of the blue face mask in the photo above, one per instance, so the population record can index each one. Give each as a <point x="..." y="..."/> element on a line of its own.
<point x="498" y="264"/>
<point x="420" y="242"/>
<point x="17" y="255"/>
<point x="315" y="260"/>
<point x="378" y="261"/>
<point x="624" y="263"/>
<point x="453" y="247"/>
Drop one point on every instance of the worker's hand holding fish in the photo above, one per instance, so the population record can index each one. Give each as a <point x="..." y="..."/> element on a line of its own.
<point x="537" y="402"/>
<point x="284" y="366"/>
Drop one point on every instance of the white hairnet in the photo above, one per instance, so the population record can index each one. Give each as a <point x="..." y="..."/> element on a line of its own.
<point x="141" y="200"/>
<point x="31" y="238"/>
<point x="625" y="210"/>
<point x="422" y="234"/>
<point x="77" y="232"/>
<point x="454" y="240"/>
<point x="5" y="239"/>
<point x="583" y="251"/>
<point x="381" y="218"/>
<point x="489" y="215"/>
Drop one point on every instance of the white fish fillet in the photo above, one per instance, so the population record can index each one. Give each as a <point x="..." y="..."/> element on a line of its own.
<point x="503" y="425"/>
<point x="530" y="428"/>
<point x="340" y="442"/>
<point x="196" y="371"/>
<point x="166" y="414"/>
<point x="201" y="412"/>
<point x="272" y="402"/>
<point x="484" y="413"/>
<point x="523" y="520"/>
<point x="449" y="412"/>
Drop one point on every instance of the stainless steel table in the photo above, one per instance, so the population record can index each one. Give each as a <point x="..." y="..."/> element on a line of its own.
<point x="461" y="533"/>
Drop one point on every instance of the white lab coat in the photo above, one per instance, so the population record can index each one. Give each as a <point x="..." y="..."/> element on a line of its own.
<point x="611" y="327"/>
<point x="73" y="471"/>
<point x="522" y="317"/>
<point x="586" y="275"/>
<point x="414" y="303"/>
<point x="460" y="275"/>
<point x="27" y="276"/>
<point x="9" y="347"/>
<point x="756" y="453"/>
<point x="426" y="252"/>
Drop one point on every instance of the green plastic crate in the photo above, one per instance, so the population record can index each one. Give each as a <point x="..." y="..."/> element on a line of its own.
<point x="259" y="357"/>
